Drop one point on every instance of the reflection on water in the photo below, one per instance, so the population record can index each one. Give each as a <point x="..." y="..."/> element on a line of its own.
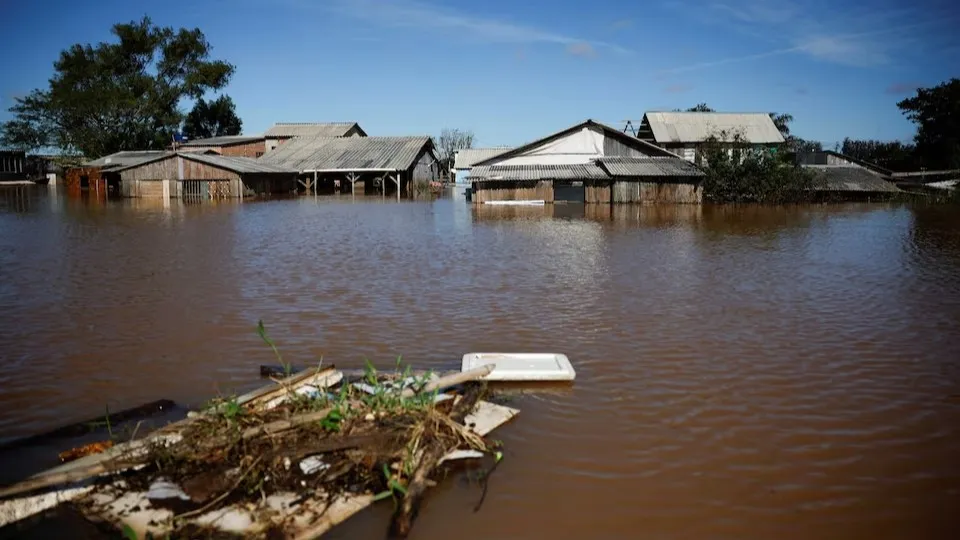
<point x="743" y="372"/>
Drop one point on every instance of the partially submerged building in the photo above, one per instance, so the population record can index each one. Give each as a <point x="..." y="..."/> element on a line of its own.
<point x="464" y="160"/>
<point x="591" y="163"/>
<point x="13" y="165"/>
<point x="386" y="165"/>
<point x="252" y="146"/>
<point x="687" y="133"/>
<point x="282" y="132"/>
<point x="842" y="177"/>
<point x="98" y="177"/>
<point x="187" y="175"/>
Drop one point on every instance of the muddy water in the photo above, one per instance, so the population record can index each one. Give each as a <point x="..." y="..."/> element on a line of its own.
<point x="742" y="373"/>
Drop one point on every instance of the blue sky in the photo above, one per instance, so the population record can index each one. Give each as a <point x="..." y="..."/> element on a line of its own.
<point x="515" y="71"/>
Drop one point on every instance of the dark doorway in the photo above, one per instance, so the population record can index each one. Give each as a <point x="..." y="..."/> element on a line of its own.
<point x="567" y="191"/>
<point x="84" y="182"/>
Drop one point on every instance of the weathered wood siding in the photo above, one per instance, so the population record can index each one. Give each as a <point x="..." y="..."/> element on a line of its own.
<point x="425" y="169"/>
<point x="625" y="192"/>
<point x="535" y="190"/>
<point x="613" y="147"/>
<point x="96" y="183"/>
<point x="251" y="149"/>
<point x="596" y="192"/>
<point x="635" y="191"/>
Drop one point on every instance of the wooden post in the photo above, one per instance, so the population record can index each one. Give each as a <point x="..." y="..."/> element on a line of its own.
<point x="353" y="184"/>
<point x="398" y="185"/>
<point x="314" y="184"/>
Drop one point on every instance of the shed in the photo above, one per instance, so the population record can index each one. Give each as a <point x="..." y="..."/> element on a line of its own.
<point x="382" y="164"/>
<point x="191" y="175"/>
<point x="282" y="132"/>
<point x="252" y="146"/>
<point x="99" y="176"/>
<point x="589" y="162"/>
<point x="684" y="133"/>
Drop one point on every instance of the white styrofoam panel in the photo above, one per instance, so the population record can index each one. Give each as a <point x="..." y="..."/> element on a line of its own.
<point x="522" y="366"/>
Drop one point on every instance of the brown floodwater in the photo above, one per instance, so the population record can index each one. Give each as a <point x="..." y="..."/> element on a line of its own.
<point x="742" y="372"/>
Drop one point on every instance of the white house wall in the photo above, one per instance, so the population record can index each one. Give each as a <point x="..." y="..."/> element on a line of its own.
<point x="575" y="148"/>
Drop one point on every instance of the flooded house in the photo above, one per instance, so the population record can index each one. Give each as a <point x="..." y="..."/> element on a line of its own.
<point x="13" y="165"/>
<point x="390" y="166"/>
<point x="282" y="132"/>
<point x="251" y="146"/>
<point x="99" y="178"/>
<point x="839" y="176"/>
<point x="590" y="163"/>
<point x="187" y="175"/>
<point x="465" y="159"/>
<point x="686" y="133"/>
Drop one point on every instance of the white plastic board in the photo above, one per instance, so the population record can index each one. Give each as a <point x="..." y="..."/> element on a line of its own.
<point x="515" y="203"/>
<point x="522" y="366"/>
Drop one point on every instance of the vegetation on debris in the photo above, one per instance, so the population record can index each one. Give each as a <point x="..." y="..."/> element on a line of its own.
<point x="379" y="434"/>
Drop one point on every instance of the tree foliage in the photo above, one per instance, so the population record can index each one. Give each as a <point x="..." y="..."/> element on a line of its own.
<point x="782" y="121"/>
<point x="449" y="142"/>
<point x="700" y="107"/>
<point x="116" y="96"/>
<point x="936" y="112"/>
<point x="893" y="155"/>
<point x="737" y="172"/>
<point x="212" y="119"/>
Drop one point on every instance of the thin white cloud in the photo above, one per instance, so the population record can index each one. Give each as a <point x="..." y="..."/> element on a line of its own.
<point x="416" y="14"/>
<point x="835" y="33"/>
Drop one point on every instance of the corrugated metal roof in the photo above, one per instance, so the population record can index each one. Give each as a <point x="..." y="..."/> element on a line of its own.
<point x="850" y="178"/>
<point x="648" y="166"/>
<point x="348" y="154"/>
<point x="690" y="127"/>
<point x="242" y="165"/>
<point x="644" y="147"/>
<point x="224" y="140"/>
<point x="584" y="171"/>
<point x="127" y="158"/>
<point x="468" y="156"/>
<point x="311" y="129"/>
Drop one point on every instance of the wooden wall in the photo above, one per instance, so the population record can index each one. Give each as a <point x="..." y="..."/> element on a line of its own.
<point x="597" y="192"/>
<point x="636" y="191"/>
<point x="535" y="190"/>
<point x="253" y="149"/>
<point x="632" y="191"/>
<point x="96" y="181"/>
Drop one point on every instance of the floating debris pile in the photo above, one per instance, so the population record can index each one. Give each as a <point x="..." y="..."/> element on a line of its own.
<point x="290" y="460"/>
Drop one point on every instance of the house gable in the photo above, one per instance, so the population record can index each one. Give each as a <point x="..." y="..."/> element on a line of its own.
<point x="582" y="143"/>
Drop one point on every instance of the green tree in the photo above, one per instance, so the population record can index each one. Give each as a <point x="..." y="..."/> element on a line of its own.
<point x="700" y="107"/>
<point x="782" y="121"/>
<point x="936" y="112"/>
<point x="892" y="155"/>
<point x="212" y="119"/>
<point x="117" y="96"/>
<point x="737" y="172"/>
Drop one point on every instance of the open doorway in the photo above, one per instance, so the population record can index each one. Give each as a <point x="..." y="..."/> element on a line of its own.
<point x="568" y="191"/>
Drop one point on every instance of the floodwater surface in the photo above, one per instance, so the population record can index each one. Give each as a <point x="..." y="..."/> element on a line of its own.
<point x="742" y="372"/>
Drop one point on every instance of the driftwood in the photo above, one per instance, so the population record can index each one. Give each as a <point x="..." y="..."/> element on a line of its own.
<point x="451" y="380"/>
<point x="114" y="459"/>
<point x="434" y="450"/>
